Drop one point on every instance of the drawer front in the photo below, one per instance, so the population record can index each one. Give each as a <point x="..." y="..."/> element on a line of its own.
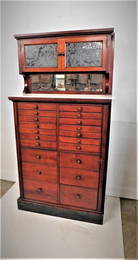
<point x="38" y="137"/>
<point x="24" y="130"/>
<point x="40" y="191"/>
<point x="42" y="119"/>
<point x="79" y="177"/>
<point x="41" y="113"/>
<point x="41" y="144"/>
<point x="93" y="129"/>
<point x="79" y="147"/>
<point x="80" y="115"/>
<point x="39" y="156"/>
<point x="81" y="108"/>
<point x="79" y="161"/>
<point x="79" y="140"/>
<point x="39" y="172"/>
<point x="79" y="134"/>
<point x="36" y="106"/>
<point x="78" y="197"/>
<point x="36" y="126"/>
<point x="72" y="121"/>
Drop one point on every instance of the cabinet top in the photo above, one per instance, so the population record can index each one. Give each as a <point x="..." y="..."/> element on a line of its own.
<point x="65" y="33"/>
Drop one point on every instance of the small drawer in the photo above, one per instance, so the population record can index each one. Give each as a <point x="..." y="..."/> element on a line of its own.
<point x="79" y="161"/>
<point x="81" y="108"/>
<point x="36" y="125"/>
<point x="80" y="115"/>
<point x="88" y="129"/>
<point x="32" y="113"/>
<point x="35" y="119"/>
<point x="39" y="156"/>
<point x="38" y="137"/>
<point x="78" y="197"/>
<point x="79" y="147"/>
<point x="24" y="130"/>
<point x="79" y="177"/>
<point x="39" y="172"/>
<point x="79" y="141"/>
<point x="38" y="144"/>
<point x="40" y="191"/>
<point x="72" y="121"/>
<point x="36" y="106"/>
<point x="80" y="134"/>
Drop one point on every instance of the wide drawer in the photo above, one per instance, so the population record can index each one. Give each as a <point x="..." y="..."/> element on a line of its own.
<point x="24" y="130"/>
<point x="39" y="172"/>
<point x="78" y="197"/>
<point x="79" y="147"/>
<point x="41" y="144"/>
<point x="79" y="161"/>
<point x="36" y="106"/>
<point x="80" y="115"/>
<point x="37" y="125"/>
<point x="39" y="156"/>
<point x="79" y="140"/>
<point x="41" y="113"/>
<point x="79" y="177"/>
<point x="94" y="129"/>
<point x="81" y="134"/>
<point x="72" y="121"/>
<point x="40" y="191"/>
<point x="81" y="108"/>
<point x="38" y="137"/>
<point x="42" y="119"/>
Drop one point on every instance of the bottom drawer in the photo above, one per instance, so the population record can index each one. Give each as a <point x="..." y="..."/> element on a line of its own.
<point x="78" y="197"/>
<point x="40" y="191"/>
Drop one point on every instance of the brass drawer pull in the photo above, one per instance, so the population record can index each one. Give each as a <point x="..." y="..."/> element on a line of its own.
<point x="79" y="141"/>
<point x="78" y="147"/>
<point x="36" y="126"/>
<point x="37" y="144"/>
<point x="78" y="161"/>
<point x="79" y="108"/>
<point x="79" y="122"/>
<point x="36" y="113"/>
<point x="78" y="196"/>
<point x="36" y="107"/>
<point x="37" y="132"/>
<point x="78" y="115"/>
<point x="37" y="137"/>
<point x="79" y="135"/>
<point x="38" y="172"/>
<point x="78" y="177"/>
<point x="78" y="128"/>
<point x="39" y="190"/>
<point x="38" y="156"/>
<point x="36" y="119"/>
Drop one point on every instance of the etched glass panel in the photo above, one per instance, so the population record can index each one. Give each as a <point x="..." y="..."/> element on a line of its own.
<point x="84" y="54"/>
<point x="44" y="55"/>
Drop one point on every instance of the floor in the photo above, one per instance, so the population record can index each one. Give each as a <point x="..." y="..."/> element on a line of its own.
<point x="22" y="232"/>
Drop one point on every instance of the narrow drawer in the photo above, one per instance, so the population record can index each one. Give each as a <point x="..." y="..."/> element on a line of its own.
<point x="39" y="172"/>
<point x="36" y="106"/>
<point x="79" y="161"/>
<point x="81" y="134"/>
<point x="37" y="125"/>
<point x="79" y="147"/>
<point x="93" y="129"/>
<point x="79" y="177"/>
<point x="77" y="115"/>
<point x="39" y="156"/>
<point x="23" y="129"/>
<point x="38" y="137"/>
<point x="78" y="197"/>
<point x="42" y="119"/>
<point x="41" y="113"/>
<point x="79" y="140"/>
<point x="81" y="108"/>
<point x="36" y="144"/>
<point x="72" y="121"/>
<point x="40" y="191"/>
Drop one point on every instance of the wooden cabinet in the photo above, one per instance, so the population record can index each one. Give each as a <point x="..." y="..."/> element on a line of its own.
<point x="62" y="143"/>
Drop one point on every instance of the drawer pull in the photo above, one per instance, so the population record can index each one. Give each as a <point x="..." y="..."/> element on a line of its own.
<point x="78" y="161"/>
<point x="36" y="119"/>
<point x="36" y="126"/>
<point x="38" y="156"/>
<point x="37" y="137"/>
<point x="37" y="144"/>
<point x="79" y="141"/>
<point x="39" y="190"/>
<point x="79" y="115"/>
<point x="78" y="177"/>
<point x="38" y="172"/>
<point x="79" y="135"/>
<point x="37" y="132"/>
<point x="78" y="128"/>
<point x="79" y="109"/>
<point x="36" y="113"/>
<point x="78" y="147"/>
<point x="36" y="107"/>
<point x="79" y="122"/>
<point x="78" y="196"/>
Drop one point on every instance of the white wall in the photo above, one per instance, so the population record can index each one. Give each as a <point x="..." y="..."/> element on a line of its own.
<point x="30" y="17"/>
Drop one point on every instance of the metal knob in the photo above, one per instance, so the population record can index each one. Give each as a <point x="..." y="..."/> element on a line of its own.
<point x="37" y="132"/>
<point x="78" y="115"/>
<point x="79" y="109"/>
<point x="37" y="137"/>
<point x="78" y="196"/>
<point x="37" y="144"/>
<point x="79" y="122"/>
<point x="79" y="141"/>
<point x="36" y="126"/>
<point x="36" y="107"/>
<point x="36" y="113"/>
<point x="78" y="128"/>
<point x="78" y="135"/>
<point x="78" y="161"/>
<point x="36" y="119"/>
<point x="37" y="156"/>
<point x="38" y="172"/>
<point x="39" y="189"/>
<point x="78" y="177"/>
<point x="78" y="147"/>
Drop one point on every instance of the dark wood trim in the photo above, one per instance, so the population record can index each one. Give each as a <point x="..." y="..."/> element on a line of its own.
<point x="60" y="212"/>
<point x="65" y="33"/>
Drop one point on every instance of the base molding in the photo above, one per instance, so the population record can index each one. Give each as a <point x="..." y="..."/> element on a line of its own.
<point x="60" y="212"/>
